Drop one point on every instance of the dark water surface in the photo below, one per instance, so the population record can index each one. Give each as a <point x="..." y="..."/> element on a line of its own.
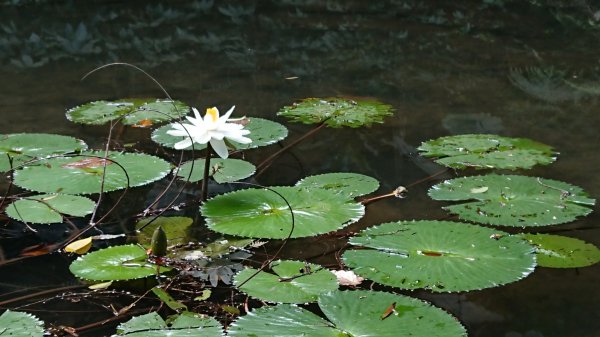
<point x="447" y="67"/>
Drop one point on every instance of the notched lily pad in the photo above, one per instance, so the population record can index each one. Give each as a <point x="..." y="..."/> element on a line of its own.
<point x="175" y="228"/>
<point x="22" y="147"/>
<point x="351" y="185"/>
<point x="47" y="208"/>
<point x="135" y="111"/>
<point x="83" y="174"/>
<point x="511" y="200"/>
<point x="221" y="170"/>
<point x="484" y="151"/>
<point x="292" y="282"/>
<point x="442" y="256"/>
<point x="351" y="313"/>
<point x="263" y="132"/>
<point x="15" y="323"/>
<point x="115" y="263"/>
<point x="337" y="112"/>
<point x="556" y="251"/>
<point x="184" y="324"/>
<point x="261" y="213"/>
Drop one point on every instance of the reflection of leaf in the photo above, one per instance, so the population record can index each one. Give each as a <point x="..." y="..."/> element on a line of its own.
<point x="512" y="200"/>
<point x="547" y="84"/>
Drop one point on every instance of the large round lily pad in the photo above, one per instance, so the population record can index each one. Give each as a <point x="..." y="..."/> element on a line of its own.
<point x="261" y="213"/>
<point x="293" y="282"/>
<point x="115" y="263"/>
<point x="556" y="251"/>
<point x="483" y="151"/>
<point x="184" y="324"/>
<point x="83" y="174"/>
<point x="443" y="256"/>
<point x="47" y="208"/>
<point x="511" y="200"/>
<point x="221" y="170"/>
<point x="15" y="323"/>
<point x="337" y="112"/>
<point x="263" y="132"/>
<point x="351" y="313"/>
<point x="351" y="185"/>
<point x="22" y="147"/>
<point x="135" y="111"/>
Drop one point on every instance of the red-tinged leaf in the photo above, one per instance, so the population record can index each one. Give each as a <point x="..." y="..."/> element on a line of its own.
<point x="92" y="162"/>
<point x="37" y="250"/>
<point x="144" y="123"/>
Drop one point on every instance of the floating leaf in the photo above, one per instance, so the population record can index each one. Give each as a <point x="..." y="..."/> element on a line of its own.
<point x="115" y="263"/>
<point x="556" y="251"/>
<point x="22" y="147"/>
<point x="262" y="132"/>
<point x="184" y="324"/>
<point x="443" y="256"/>
<point x="337" y="112"/>
<point x="79" y="247"/>
<point x="351" y="313"/>
<point x="133" y="111"/>
<point x="83" y="175"/>
<point x="175" y="228"/>
<point x="293" y="282"/>
<point x="350" y="185"/>
<point x="221" y="170"/>
<point x="15" y="323"/>
<point x="47" y="208"/>
<point x="261" y="213"/>
<point x="487" y="151"/>
<point x="512" y="200"/>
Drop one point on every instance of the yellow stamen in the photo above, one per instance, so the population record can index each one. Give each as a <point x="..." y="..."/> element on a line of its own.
<point x="213" y="113"/>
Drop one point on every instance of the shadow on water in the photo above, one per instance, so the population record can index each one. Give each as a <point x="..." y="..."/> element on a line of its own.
<point x="491" y="66"/>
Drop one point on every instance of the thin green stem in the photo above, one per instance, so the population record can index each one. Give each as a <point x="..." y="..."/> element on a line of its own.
<point x="398" y="193"/>
<point x="265" y="163"/>
<point x="209" y="151"/>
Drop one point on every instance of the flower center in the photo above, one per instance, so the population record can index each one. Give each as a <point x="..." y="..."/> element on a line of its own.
<point x="213" y="113"/>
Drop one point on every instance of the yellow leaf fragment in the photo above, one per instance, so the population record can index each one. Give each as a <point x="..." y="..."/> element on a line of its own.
<point x="80" y="246"/>
<point x="102" y="285"/>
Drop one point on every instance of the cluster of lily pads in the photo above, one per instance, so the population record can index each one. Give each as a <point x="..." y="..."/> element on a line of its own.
<point x="441" y="256"/>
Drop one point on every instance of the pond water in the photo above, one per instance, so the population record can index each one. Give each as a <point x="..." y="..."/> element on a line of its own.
<point x="489" y="66"/>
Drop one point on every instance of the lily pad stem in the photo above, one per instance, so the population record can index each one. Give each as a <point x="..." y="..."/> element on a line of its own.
<point x="398" y="193"/>
<point x="209" y="152"/>
<point x="265" y="163"/>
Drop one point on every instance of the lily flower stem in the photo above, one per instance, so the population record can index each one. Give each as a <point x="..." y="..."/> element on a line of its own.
<point x="209" y="151"/>
<point x="376" y="198"/>
<point x="265" y="163"/>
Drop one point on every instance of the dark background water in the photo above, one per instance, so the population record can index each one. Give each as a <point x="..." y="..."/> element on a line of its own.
<point x="447" y="67"/>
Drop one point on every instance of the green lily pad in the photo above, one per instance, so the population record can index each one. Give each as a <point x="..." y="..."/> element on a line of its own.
<point x="511" y="200"/>
<point x="133" y="110"/>
<point x="351" y="313"/>
<point x="47" y="208"/>
<point x="337" y="112"/>
<point x="175" y="228"/>
<point x="293" y="282"/>
<point x="351" y="185"/>
<point x="556" y="251"/>
<point x="22" y="147"/>
<point x="442" y="256"/>
<point x="221" y="170"/>
<point x="487" y="151"/>
<point x="261" y="213"/>
<point x="263" y="132"/>
<point x="115" y="263"/>
<point x="83" y="174"/>
<point x="15" y="323"/>
<point x="184" y="324"/>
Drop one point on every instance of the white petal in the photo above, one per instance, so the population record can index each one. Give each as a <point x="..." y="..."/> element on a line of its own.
<point x="228" y="113"/>
<point x="202" y="138"/>
<point x="183" y="144"/>
<point x="216" y="134"/>
<point x="196" y="113"/>
<point x="220" y="148"/>
<point x="240" y="139"/>
<point x="177" y="133"/>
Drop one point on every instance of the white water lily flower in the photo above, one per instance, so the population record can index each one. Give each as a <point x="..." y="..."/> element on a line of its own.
<point x="211" y="128"/>
<point x="347" y="277"/>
